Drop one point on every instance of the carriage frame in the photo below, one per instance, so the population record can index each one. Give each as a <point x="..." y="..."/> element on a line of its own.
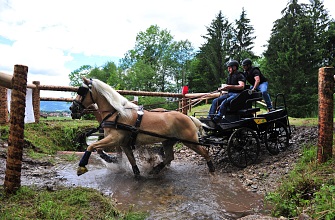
<point x="244" y="129"/>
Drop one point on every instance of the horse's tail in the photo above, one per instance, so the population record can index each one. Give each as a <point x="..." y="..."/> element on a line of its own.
<point x="199" y="125"/>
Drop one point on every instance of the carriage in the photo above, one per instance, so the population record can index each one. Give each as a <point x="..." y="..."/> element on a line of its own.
<point x="126" y="125"/>
<point x="244" y="129"/>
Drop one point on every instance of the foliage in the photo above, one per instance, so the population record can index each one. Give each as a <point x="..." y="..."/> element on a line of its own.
<point x="4" y="131"/>
<point x="66" y="203"/>
<point x="213" y="55"/>
<point x="301" y="42"/>
<point x="309" y="188"/>
<point x="76" y="75"/>
<point x="297" y="49"/>
<point x="156" y="51"/>
<point x="224" y="41"/>
<point x="150" y="103"/>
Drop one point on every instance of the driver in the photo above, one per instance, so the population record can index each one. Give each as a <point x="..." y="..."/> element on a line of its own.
<point x="235" y="85"/>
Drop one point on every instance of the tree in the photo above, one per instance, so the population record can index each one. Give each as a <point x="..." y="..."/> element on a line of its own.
<point x="76" y="75"/>
<point x="223" y="42"/>
<point x="156" y="48"/>
<point x="103" y="73"/>
<point x="294" y="55"/>
<point x="140" y="76"/>
<point x="243" y="38"/>
<point x="214" y="53"/>
<point x="330" y="44"/>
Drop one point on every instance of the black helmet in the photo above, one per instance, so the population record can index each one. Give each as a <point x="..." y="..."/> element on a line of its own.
<point x="233" y="63"/>
<point x="246" y="62"/>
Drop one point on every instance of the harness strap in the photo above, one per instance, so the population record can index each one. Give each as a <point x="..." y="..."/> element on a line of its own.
<point x="113" y="124"/>
<point x="134" y="134"/>
<point x="93" y="130"/>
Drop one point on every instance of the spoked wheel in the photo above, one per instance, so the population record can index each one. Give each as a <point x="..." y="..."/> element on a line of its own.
<point x="243" y="147"/>
<point x="276" y="137"/>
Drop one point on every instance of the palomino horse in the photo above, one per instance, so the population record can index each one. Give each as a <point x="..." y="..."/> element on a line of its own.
<point x="126" y="125"/>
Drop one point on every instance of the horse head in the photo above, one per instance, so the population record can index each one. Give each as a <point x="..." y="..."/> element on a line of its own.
<point x="82" y="102"/>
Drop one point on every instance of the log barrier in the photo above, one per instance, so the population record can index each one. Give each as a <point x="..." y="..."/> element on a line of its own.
<point x="6" y="83"/>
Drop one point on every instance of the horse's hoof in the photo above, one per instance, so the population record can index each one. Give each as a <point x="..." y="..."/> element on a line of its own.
<point x="157" y="168"/>
<point x="81" y="170"/>
<point x="138" y="177"/>
<point x="211" y="166"/>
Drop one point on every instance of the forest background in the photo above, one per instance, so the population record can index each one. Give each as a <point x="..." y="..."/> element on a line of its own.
<point x="301" y="42"/>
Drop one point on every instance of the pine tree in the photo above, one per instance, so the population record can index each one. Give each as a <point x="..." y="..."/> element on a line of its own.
<point x="214" y="54"/>
<point x="243" y="38"/>
<point x="294" y="54"/>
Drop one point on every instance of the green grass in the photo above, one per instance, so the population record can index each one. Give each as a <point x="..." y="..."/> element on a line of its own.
<point x="309" y="188"/>
<point x="48" y="137"/>
<point x="66" y="203"/>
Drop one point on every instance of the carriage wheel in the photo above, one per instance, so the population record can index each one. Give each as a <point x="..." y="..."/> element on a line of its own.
<point x="243" y="147"/>
<point x="276" y="137"/>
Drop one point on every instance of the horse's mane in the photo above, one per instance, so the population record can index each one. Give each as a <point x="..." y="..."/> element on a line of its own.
<point x="120" y="103"/>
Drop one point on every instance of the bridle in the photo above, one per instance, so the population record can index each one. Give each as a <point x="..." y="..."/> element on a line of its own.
<point x="77" y="108"/>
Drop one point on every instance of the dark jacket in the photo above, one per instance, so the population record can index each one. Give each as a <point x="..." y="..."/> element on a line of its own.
<point x="251" y="73"/>
<point x="233" y="79"/>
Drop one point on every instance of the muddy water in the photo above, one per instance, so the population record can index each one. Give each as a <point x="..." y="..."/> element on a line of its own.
<point x="184" y="190"/>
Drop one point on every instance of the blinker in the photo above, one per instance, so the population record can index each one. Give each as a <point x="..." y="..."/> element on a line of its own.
<point x="82" y="91"/>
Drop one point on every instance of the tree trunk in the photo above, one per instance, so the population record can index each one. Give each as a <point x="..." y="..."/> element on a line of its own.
<point x="326" y="113"/>
<point x="16" y="132"/>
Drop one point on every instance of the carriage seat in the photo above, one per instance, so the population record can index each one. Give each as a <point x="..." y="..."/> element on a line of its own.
<point x="243" y="104"/>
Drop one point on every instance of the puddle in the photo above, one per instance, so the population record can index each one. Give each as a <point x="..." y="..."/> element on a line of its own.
<point x="181" y="191"/>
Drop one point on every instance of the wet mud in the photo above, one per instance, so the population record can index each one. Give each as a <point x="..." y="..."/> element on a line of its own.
<point x="183" y="190"/>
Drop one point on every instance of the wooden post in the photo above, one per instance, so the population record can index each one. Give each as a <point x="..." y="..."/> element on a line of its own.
<point x="3" y="106"/>
<point x="184" y="105"/>
<point x="36" y="101"/>
<point x="16" y="132"/>
<point x="326" y="113"/>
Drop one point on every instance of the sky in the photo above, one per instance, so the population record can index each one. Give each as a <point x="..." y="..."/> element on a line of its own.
<point x="55" y="37"/>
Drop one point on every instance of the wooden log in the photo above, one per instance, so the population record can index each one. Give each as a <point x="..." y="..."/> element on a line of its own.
<point x="56" y="99"/>
<point x="6" y="81"/>
<point x="58" y="88"/>
<point x="142" y="93"/>
<point x="36" y="101"/>
<point x="16" y="135"/>
<point x="326" y="113"/>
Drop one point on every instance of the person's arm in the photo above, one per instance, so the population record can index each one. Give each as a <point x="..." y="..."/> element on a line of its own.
<point x="240" y="86"/>
<point x="257" y="81"/>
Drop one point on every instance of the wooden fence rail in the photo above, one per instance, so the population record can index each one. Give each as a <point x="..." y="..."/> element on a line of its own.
<point x="6" y="83"/>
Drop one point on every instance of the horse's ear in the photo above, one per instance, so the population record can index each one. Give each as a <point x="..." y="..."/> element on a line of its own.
<point x="85" y="80"/>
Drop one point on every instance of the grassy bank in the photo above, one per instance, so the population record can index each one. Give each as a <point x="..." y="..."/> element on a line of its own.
<point x="309" y="189"/>
<point x="61" y="204"/>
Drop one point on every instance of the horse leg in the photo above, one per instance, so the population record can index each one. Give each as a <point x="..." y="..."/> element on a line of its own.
<point x="106" y="157"/>
<point x="130" y="155"/>
<point x="99" y="145"/>
<point x="83" y="162"/>
<point x="204" y="153"/>
<point x="169" y="156"/>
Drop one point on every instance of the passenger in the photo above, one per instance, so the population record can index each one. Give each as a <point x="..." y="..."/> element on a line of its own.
<point x="235" y="85"/>
<point x="257" y="81"/>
